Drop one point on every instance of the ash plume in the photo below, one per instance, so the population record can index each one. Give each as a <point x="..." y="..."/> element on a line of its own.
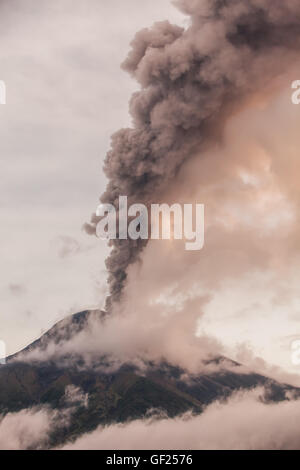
<point x="191" y="79"/>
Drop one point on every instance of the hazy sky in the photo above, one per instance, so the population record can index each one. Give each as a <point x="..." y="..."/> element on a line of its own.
<point x="66" y="95"/>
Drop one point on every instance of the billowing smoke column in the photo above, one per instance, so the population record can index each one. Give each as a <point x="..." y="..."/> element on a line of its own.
<point x="191" y="79"/>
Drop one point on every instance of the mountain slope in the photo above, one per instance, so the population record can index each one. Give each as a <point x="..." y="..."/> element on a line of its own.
<point x="117" y="396"/>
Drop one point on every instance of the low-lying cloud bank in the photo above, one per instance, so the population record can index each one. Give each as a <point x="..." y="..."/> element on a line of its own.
<point x="243" y="422"/>
<point x="25" y="429"/>
<point x="33" y="428"/>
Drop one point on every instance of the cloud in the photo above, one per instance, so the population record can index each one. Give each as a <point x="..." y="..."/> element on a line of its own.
<point x="65" y="95"/>
<point x="25" y="429"/>
<point x="75" y="396"/>
<point x="33" y="428"/>
<point x="191" y="81"/>
<point x="241" y="423"/>
<point x="17" y="289"/>
<point x="67" y="246"/>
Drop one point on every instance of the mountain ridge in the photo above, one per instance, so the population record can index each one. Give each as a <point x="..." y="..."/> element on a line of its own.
<point x="122" y="395"/>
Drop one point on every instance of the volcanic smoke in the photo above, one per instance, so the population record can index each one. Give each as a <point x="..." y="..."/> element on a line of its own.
<point x="191" y="80"/>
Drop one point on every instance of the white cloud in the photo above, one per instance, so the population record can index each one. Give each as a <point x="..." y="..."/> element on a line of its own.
<point x="243" y="423"/>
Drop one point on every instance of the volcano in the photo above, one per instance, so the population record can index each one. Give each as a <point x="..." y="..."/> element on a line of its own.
<point x="125" y="394"/>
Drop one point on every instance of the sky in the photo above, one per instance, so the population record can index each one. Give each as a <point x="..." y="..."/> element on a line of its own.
<point x="66" y="95"/>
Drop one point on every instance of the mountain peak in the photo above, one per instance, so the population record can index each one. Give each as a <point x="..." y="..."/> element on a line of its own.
<point x="126" y="393"/>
